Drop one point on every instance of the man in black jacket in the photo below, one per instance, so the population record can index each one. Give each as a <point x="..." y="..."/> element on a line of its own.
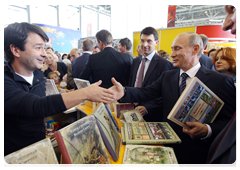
<point x="25" y="100"/>
<point x="108" y="63"/>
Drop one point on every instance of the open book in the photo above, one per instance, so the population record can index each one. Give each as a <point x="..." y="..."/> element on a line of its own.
<point x="80" y="83"/>
<point x="196" y="103"/>
<point x="51" y="87"/>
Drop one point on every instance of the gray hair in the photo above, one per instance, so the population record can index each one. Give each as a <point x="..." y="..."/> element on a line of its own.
<point x="204" y="39"/>
<point x="105" y="36"/>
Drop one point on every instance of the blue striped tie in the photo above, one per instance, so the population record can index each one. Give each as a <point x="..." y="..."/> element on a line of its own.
<point x="183" y="83"/>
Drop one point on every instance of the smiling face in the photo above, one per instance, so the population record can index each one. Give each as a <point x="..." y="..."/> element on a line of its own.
<point x="55" y="77"/>
<point x="230" y="20"/>
<point x="184" y="56"/>
<point x="148" y="44"/>
<point x="221" y="64"/>
<point x="121" y="48"/>
<point x="32" y="57"/>
<point x="49" y="59"/>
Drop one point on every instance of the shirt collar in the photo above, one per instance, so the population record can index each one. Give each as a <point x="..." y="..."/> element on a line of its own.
<point x="192" y="71"/>
<point x="150" y="56"/>
<point x="87" y="52"/>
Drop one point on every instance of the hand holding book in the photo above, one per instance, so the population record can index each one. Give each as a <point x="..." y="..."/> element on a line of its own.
<point x="196" y="130"/>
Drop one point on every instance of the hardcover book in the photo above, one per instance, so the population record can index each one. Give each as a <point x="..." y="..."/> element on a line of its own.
<point x="108" y="130"/>
<point x="40" y="152"/>
<point x="131" y="116"/>
<point x="81" y="143"/>
<point x="51" y="87"/>
<point x="197" y="103"/>
<point x="122" y="106"/>
<point x="80" y="83"/>
<point x="150" y="133"/>
<point x="113" y="118"/>
<point x="144" y="154"/>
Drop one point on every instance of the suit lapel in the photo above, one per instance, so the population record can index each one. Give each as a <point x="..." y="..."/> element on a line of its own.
<point x="152" y="66"/>
<point x="174" y="83"/>
<point x="202" y="74"/>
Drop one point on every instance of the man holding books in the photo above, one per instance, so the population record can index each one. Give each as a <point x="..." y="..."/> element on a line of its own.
<point x="186" y="51"/>
<point x="25" y="104"/>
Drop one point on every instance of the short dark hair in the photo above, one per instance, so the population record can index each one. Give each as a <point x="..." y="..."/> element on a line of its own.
<point x="149" y="31"/>
<point x="96" y="46"/>
<point x="64" y="55"/>
<point x="88" y="45"/>
<point x="126" y="42"/>
<point x="16" y="34"/>
<point x="105" y="36"/>
<point x="50" y="48"/>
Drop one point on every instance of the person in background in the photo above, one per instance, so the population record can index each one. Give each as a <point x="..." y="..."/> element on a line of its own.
<point x="139" y="50"/>
<point x="67" y="62"/>
<point x="25" y="101"/>
<point x="59" y="56"/>
<point x="186" y="50"/>
<point x="108" y="63"/>
<point x="64" y="56"/>
<point x="96" y="50"/>
<point x="50" y="49"/>
<point x="211" y="53"/>
<point x="205" y="60"/>
<point x="125" y="46"/>
<point x="164" y="54"/>
<point x="223" y="148"/>
<point x="54" y="66"/>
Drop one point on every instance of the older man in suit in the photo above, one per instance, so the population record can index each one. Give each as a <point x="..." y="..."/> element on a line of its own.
<point x="186" y="50"/>
<point x="154" y="66"/>
<point x="108" y="63"/>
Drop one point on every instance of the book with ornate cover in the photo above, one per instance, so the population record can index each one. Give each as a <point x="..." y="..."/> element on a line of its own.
<point x="113" y="118"/>
<point x="80" y="83"/>
<point x="150" y="133"/>
<point x="131" y="116"/>
<point x="81" y="143"/>
<point x="144" y="154"/>
<point x="41" y="152"/>
<point x="109" y="132"/>
<point x="122" y="106"/>
<point x="197" y="103"/>
<point x="51" y="87"/>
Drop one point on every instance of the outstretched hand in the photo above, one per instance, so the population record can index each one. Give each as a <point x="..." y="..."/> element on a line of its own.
<point x="99" y="94"/>
<point x="196" y="130"/>
<point x="118" y="89"/>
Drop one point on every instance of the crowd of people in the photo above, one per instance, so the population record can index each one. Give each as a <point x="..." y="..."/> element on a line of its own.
<point x="150" y="81"/>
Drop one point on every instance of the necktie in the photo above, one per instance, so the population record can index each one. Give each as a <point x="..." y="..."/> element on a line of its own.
<point x="183" y="83"/>
<point x="140" y="75"/>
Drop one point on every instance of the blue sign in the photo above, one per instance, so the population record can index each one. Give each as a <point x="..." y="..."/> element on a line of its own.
<point x="61" y="39"/>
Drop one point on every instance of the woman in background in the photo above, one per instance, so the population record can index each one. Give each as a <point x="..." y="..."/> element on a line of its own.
<point x="224" y="61"/>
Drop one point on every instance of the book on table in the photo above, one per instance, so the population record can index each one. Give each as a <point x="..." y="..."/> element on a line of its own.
<point x="41" y="152"/>
<point x="81" y="143"/>
<point x="150" y="133"/>
<point x="108" y="130"/>
<point x="131" y="116"/>
<point x="122" y="106"/>
<point x="145" y="154"/>
<point x="197" y="103"/>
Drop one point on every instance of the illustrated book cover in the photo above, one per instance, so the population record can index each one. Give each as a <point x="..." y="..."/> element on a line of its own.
<point x="113" y="118"/>
<point x="41" y="152"/>
<point x="80" y="83"/>
<point x="108" y="130"/>
<point x="144" y="154"/>
<point x="131" y="116"/>
<point x="150" y="133"/>
<point x="81" y="143"/>
<point x="122" y="106"/>
<point x="197" y="103"/>
<point x="51" y="87"/>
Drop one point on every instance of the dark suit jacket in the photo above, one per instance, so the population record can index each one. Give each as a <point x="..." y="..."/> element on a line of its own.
<point x="107" y="64"/>
<point x="156" y="67"/>
<point x="78" y="64"/>
<point x="223" y="148"/>
<point x="206" y="61"/>
<point x="167" y="86"/>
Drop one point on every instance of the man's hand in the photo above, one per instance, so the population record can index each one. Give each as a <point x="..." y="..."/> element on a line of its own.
<point x="196" y="130"/>
<point x="141" y="109"/>
<point x="118" y="89"/>
<point x="98" y="94"/>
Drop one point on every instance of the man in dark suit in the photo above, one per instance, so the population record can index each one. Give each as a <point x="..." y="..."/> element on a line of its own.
<point x="108" y="63"/>
<point x="153" y="68"/>
<point x="205" y="60"/>
<point x="186" y="50"/>
<point x="223" y="148"/>
<point x="125" y="46"/>
<point x="79" y="63"/>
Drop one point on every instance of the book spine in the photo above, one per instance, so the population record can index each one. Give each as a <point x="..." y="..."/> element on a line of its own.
<point x="62" y="148"/>
<point x="152" y="142"/>
<point x="106" y="142"/>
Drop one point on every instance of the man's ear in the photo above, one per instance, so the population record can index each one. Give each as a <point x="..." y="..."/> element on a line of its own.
<point x="15" y="50"/>
<point x="196" y="49"/>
